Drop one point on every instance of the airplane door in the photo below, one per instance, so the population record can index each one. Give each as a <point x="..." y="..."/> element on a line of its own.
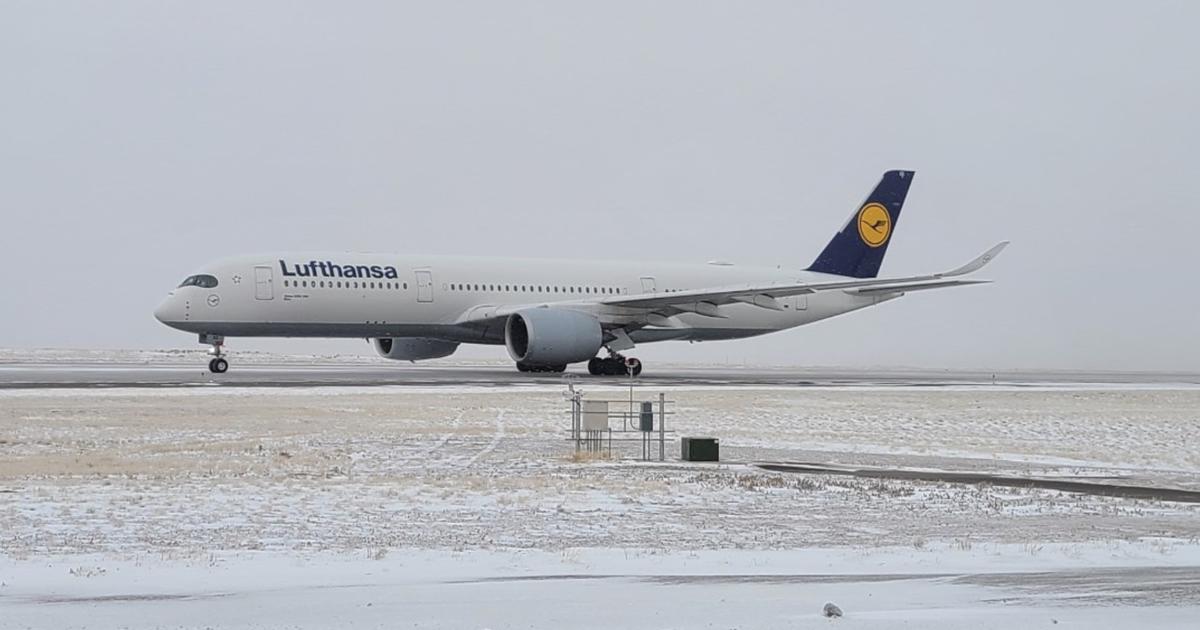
<point x="264" y="283"/>
<point x="424" y="285"/>
<point x="648" y="285"/>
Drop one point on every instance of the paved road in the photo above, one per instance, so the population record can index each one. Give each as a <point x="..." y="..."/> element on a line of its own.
<point x="1096" y="486"/>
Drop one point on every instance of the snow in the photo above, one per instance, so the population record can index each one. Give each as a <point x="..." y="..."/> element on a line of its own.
<point x="417" y="507"/>
<point x="594" y="588"/>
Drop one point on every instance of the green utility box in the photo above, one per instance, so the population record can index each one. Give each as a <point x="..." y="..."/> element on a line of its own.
<point x="701" y="449"/>
<point x="646" y="418"/>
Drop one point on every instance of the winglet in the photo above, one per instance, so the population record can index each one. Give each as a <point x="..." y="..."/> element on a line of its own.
<point x="977" y="264"/>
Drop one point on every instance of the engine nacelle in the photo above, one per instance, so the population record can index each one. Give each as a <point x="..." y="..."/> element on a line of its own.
<point x="546" y="336"/>
<point x="413" y="348"/>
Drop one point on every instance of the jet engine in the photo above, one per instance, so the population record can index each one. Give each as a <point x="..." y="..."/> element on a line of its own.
<point x="413" y="348"/>
<point x="546" y="336"/>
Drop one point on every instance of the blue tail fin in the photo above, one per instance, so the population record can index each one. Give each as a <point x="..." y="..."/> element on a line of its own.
<point x="857" y="251"/>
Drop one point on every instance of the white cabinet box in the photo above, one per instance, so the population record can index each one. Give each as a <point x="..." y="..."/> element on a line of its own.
<point x="595" y="415"/>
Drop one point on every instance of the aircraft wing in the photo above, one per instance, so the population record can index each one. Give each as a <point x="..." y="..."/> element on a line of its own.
<point x="765" y="295"/>
<point x="619" y="311"/>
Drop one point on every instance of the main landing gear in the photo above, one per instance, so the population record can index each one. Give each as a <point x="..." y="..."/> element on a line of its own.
<point x="218" y="364"/>
<point x="528" y="367"/>
<point x="615" y="365"/>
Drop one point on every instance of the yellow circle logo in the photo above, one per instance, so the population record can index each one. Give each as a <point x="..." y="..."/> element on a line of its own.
<point x="874" y="224"/>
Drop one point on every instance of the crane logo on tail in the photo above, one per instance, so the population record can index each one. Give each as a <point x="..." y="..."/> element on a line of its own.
<point x="874" y="224"/>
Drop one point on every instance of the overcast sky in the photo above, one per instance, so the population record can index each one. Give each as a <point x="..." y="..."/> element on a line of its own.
<point x="139" y="140"/>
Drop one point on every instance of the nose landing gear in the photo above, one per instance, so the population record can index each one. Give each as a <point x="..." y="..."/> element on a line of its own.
<point x="218" y="364"/>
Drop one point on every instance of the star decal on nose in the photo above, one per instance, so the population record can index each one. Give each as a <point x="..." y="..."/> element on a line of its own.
<point x="237" y="279"/>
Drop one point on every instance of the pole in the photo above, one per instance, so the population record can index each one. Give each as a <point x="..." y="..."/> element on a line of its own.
<point x="662" y="426"/>
<point x="629" y="416"/>
<point x="576" y="418"/>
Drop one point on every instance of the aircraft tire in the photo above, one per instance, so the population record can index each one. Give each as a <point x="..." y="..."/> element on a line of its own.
<point x="636" y="368"/>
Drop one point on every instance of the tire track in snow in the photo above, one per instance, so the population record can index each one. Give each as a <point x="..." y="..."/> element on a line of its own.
<point x="496" y="437"/>
<point x="441" y="440"/>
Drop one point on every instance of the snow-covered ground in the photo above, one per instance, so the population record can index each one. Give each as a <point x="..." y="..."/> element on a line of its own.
<point x="421" y="507"/>
<point x="1116" y="585"/>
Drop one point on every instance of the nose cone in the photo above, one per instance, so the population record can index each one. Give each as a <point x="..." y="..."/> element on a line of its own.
<point x="167" y="311"/>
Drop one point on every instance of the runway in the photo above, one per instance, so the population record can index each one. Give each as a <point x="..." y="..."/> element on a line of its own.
<point x="58" y="374"/>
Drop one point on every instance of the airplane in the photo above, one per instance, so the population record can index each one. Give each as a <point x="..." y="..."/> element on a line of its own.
<point x="547" y="313"/>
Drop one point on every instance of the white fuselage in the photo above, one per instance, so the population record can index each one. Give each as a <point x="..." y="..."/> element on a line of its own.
<point x="304" y="294"/>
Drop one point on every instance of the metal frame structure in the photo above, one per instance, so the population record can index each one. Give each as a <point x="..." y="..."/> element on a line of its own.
<point x="593" y="441"/>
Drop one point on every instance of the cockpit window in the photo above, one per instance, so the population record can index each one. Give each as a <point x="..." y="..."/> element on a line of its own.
<point x="202" y="280"/>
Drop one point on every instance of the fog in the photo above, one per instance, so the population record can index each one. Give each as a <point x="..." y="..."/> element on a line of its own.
<point x="140" y="140"/>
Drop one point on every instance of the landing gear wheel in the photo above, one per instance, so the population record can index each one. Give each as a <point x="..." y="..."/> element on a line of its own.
<point x="633" y="365"/>
<point x="527" y="367"/>
<point x="216" y="365"/>
<point x="615" y="365"/>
